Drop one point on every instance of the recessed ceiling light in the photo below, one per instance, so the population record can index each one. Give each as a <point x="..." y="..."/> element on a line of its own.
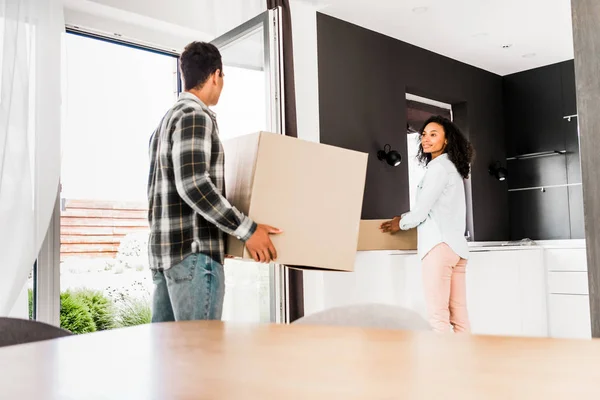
<point x="419" y="10"/>
<point x="480" y="35"/>
<point x="529" y="55"/>
<point x="506" y="46"/>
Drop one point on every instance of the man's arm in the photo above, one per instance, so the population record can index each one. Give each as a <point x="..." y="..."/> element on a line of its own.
<point x="191" y="154"/>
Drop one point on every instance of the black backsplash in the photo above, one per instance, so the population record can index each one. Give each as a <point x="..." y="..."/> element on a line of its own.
<point x="363" y="80"/>
<point x="533" y="111"/>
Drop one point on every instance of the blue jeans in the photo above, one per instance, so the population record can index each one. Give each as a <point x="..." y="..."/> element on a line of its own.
<point x="194" y="289"/>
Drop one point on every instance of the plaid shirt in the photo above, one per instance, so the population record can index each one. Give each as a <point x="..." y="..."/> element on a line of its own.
<point x="188" y="212"/>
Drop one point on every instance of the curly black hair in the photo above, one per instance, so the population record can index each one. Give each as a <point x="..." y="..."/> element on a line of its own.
<point x="459" y="149"/>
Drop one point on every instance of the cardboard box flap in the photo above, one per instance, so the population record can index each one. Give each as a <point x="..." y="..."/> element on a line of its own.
<point x="371" y="238"/>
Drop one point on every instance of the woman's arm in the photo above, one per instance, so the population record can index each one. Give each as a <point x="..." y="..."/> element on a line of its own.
<point x="434" y="183"/>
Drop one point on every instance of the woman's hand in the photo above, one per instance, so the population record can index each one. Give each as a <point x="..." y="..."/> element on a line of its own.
<point x="392" y="226"/>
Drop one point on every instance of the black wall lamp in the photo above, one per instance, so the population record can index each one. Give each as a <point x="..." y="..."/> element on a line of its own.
<point x="498" y="171"/>
<point x="392" y="157"/>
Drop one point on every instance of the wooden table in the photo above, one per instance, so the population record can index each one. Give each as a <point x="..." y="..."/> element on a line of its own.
<point x="213" y="360"/>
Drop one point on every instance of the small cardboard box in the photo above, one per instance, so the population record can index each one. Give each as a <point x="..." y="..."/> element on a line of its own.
<point x="311" y="191"/>
<point x="371" y="238"/>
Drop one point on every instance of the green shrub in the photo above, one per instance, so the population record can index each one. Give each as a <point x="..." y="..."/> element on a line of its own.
<point x="75" y="315"/>
<point x="101" y="308"/>
<point x="85" y="311"/>
<point x="30" y="301"/>
<point x="133" y="311"/>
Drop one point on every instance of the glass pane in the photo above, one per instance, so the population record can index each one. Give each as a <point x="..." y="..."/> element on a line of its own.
<point x="242" y="109"/>
<point x="116" y="96"/>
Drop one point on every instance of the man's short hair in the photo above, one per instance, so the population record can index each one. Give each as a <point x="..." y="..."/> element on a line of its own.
<point x="198" y="61"/>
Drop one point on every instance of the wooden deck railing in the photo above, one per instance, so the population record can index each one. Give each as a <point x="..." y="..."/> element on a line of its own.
<point x="95" y="228"/>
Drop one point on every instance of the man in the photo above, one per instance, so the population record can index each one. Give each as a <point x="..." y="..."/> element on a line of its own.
<point x="188" y="213"/>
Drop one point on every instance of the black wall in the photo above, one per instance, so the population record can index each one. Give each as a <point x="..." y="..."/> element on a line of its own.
<point x="363" y="80"/>
<point x="535" y="104"/>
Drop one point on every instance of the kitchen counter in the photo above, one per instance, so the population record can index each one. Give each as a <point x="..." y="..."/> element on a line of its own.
<point x="544" y="244"/>
<point x="503" y="246"/>
<point x="547" y="282"/>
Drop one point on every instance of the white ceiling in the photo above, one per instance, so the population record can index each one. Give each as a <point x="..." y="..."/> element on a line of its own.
<point x="471" y="31"/>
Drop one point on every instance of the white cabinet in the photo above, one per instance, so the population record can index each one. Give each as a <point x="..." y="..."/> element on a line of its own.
<point x="506" y="293"/>
<point x="490" y="279"/>
<point x="378" y="277"/>
<point x="569" y="316"/>
<point x="566" y="259"/>
<point x="510" y="291"/>
<point x="568" y="282"/>
<point x="568" y="293"/>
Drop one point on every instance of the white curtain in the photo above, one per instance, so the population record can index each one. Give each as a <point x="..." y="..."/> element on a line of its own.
<point x="30" y="123"/>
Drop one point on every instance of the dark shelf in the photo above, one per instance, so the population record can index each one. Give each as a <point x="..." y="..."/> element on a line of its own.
<point x="536" y="155"/>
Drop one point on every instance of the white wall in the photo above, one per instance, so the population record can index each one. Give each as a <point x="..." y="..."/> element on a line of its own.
<point x="304" y="33"/>
<point x="162" y="24"/>
<point x="160" y="36"/>
<point x="186" y="13"/>
<point x="210" y="16"/>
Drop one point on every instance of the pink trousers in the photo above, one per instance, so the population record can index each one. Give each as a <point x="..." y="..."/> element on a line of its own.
<point x="445" y="290"/>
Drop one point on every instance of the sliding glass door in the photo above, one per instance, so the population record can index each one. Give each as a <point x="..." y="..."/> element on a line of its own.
<point x="95" y="244"/>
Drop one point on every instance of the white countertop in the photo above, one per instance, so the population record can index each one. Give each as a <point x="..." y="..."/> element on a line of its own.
<point x="505" y="246"/>
<point x="544" y="244"/>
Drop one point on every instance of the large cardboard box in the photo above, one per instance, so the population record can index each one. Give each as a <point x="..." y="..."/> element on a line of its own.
<point x="312" y="191"/>
<point x="371" y="238"/>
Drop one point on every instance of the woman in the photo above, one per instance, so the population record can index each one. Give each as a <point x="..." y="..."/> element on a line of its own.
<point x="440" y="218"/>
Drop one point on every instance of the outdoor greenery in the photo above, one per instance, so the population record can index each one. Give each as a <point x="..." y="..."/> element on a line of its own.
<point x="85" y="311"/>
<point x="75" y="315"/>
<point x="134" y="311"/>
<point x="102" y="309"/>
<point x="30" y="301"/>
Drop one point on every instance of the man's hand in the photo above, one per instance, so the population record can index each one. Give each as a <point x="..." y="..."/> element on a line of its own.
<point x="392" y="226"/>
<point x="260" y="246"/>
